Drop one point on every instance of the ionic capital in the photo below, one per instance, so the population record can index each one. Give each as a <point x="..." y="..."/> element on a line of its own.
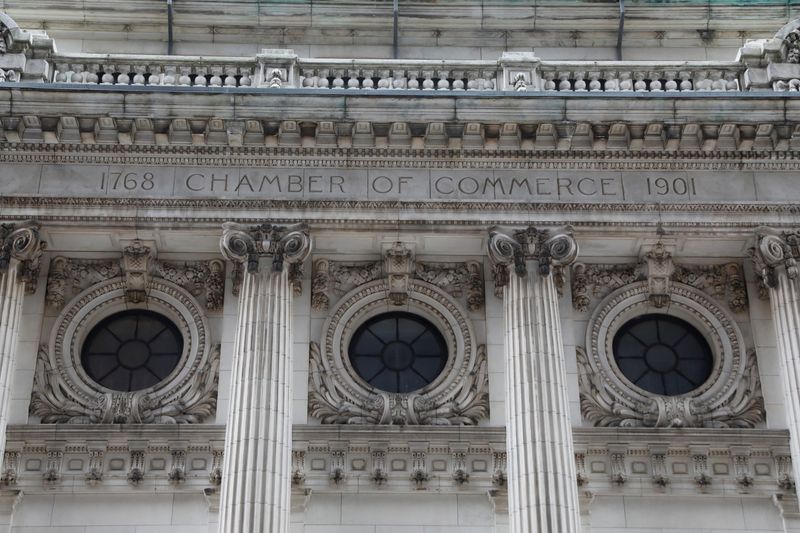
<point x="552" y="249"/>
<point x="248" y="244"/>
<point x="774" y="250"/>
<point x="21" y="243"/>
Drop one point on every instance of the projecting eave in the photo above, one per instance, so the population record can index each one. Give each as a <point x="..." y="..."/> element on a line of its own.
<point x="474" y="120"/>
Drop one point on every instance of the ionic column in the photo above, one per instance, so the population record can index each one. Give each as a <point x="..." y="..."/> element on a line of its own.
<point x="775" y="258"/>
<point x="258" y="437"/>
<point x="542" y="489"/>
<point x="20" y="250"/>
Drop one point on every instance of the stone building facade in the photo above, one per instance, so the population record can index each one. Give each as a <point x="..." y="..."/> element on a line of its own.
<point x="538" y="273"/>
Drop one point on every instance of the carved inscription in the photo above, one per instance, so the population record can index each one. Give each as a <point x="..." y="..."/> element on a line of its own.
<point x="268" y="183"/>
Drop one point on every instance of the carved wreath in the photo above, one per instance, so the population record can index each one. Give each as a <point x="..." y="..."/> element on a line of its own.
<point x="64" y="393"/>
<point x="458" y="396"/>
<point x="731" y="397"/>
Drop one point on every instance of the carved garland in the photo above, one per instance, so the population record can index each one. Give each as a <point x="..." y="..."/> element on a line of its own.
<point x="337" y="395"/>
<point x="730" y="398"/>
<point x="64" y="393"/>
<point x="69" y="276"/>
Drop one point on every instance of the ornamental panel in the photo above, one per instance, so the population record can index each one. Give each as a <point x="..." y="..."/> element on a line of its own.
<point x="112" y="295"/>
<point x="616" y="390"/>
<point x="420" y="297"/>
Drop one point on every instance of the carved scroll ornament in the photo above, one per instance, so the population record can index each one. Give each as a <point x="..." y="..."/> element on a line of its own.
<point x="553" y="250"/>
<point x="21" y="244"/>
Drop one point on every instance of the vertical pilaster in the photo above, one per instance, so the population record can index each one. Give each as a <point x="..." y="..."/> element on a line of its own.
<point x="542" y="490"/>
<point x="775" y="258"/>
<point x="256" y="482"/>
<point x="20" y="250"/>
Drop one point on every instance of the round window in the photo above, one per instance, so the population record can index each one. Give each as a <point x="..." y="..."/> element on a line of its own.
<point x="132" y="350"/>
<point x="662" y="354"/>
<point x="398" y="352"/>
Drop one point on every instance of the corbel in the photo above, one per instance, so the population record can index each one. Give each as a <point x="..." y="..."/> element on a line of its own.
<point x="399" y="267"/>
<point x="378" y="452"/>
<point x="658" y="268"/>
<point x="419" y="467"/>
<point x="137" y="260"/>
<point x="177" y="472"/>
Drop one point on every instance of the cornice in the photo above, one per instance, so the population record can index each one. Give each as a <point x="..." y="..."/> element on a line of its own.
<point x="740" y="218"/>
<point x="488" y="157"/>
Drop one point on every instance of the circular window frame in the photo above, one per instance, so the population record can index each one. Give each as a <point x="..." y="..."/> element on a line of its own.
<point x="424" y="300"/>
<point x="100" y="301"/>
<point x="688" y="328"/>
<point x="402" y="313"/>
<point x="686" y="303"/>
<point x="165" y="324"/>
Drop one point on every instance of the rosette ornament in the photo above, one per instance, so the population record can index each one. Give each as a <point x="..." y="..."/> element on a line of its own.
<point x="248" y="244"/>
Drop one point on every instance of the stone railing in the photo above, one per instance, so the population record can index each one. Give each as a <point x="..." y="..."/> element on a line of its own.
<point x="282" y="69"/>
<point x="154" y="71"/>
<point x="514" y="72"/>
<point x="711" y="462"/>
<point x="611" y="76"/>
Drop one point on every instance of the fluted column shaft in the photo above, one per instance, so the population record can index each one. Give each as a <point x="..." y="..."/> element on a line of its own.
<point x="542" y="490"/>
<point x="775" y="258"/>
<point x="20" y="249"/>
<point x="11" y="295"/>
<point x="256" y="482"/>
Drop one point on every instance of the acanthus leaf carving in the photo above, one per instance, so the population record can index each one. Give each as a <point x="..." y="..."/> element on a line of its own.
<point x="333" y="402"/>
<point x="724" y="282"/>
<point x="54" y="402"/>
<point x="335" y="278"/>
<point x="596" y="280"/>
<point x="604" y="407"/>
<point x="456" y="279"/>
<point x="69" y="276"/>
